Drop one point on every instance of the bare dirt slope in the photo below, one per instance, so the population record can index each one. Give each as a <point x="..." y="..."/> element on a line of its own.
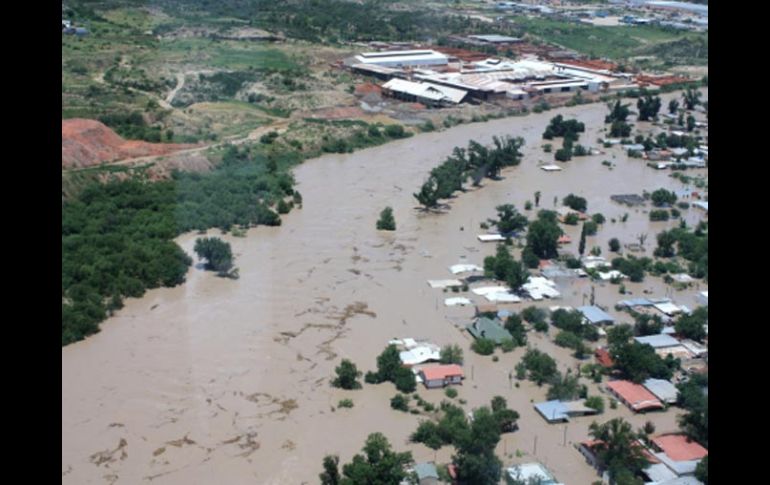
<point x="89" y="142"/>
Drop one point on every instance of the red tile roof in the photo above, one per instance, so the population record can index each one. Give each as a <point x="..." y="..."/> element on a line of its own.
<point x="679" y="448"/>
<point x="603" y="358"/>
<point x="441" y="371"/>
<point x="637" y="397"/>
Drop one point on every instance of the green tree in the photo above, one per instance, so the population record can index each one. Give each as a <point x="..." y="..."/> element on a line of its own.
<point x="428" y="195"/>
<point x="618" y="112"/>
<point x="663" y="197"/>
<point x="331" y="474"/>
<point x="506" y="418"/>
<point x="451" y="354"/>
<point x="529" y="258"/>
<point x="618" y="336"/>
<point x="638" y="362"/>
<point x="509" y="220"/>
<point x="377" y="465"/>
<point x="565" y="388"/>
<point x="541" y="367"/>
<point x="595" y="402"/>
<point x="673" y="106"/>
<point x="217" y="253"/>
<point x="702" y="470"/>
<point x="614" y="245"/>
<point x="405" y="380"/>
<point x="386" y="221"/>
<point x="691" y="98"/>
<point x="690" y="123"/>
<point x="515" y="327"/>
<point x="618" y="450"/>
<point x="537" y="199"/>
<point x="647" y="325"/>
<point x="648" y="107"/>
<point x="582" y="245"/>
<point x="543" y="236"/>
<point x="483" y="346"/>
<point x="400" y="402"/>
<point x="428" y="434"/>
<point x="692" y="326"/>
<point x="575" y="202"/>
<point x="347" y="375"/>
<point x="475" y="459"/>
<point x="620" y="129"/>
<point x="388" y="364"/>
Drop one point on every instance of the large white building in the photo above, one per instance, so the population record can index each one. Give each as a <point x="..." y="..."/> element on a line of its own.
<point x="403" y="58"/>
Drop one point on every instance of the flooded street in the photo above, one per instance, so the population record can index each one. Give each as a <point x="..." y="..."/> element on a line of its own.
<point x="227" y="381"/>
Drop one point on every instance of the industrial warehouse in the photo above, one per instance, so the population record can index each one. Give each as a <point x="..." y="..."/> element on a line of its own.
<point x="437" y="79"/>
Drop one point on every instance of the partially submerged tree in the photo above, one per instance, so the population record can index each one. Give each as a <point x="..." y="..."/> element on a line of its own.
<point x="618" y="449"/>
<point x="509" y="220"/>
<point x="451" y="354"/>
<point x="691" y="98"/>
<point x="347" y="375"/>
<point x="378" y="464"/>
<point x="217" y="253"/>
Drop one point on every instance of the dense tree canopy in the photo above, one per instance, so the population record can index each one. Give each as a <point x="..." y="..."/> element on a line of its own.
<point x="378" y="464"/>
<point x="619" y="451"/>
<point x="543" y="235"/>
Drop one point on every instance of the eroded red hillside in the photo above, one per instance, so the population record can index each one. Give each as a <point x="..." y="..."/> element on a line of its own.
<point x="89" y="142"/>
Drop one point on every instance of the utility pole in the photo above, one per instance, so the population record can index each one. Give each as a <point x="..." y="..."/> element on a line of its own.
<point x="565" y="435"/>
<point x="534" y="451"/>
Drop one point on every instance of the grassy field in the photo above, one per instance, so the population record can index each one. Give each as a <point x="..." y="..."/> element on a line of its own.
<point x="618" y="43"/>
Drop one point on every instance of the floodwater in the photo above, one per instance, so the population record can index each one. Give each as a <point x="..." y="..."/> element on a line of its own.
<point x="228" y="381"/>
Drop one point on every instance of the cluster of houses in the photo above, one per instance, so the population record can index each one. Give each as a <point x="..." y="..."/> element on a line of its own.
<point x="423" y="357"/>
<point x="673" y="458"/>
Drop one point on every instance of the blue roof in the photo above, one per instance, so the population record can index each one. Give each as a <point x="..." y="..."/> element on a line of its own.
<point x="426" y="470"/>
<point x="594" y="314"/>
<point x="552" y="410"/>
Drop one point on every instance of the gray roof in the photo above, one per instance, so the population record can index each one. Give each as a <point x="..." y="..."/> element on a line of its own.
<point x="490" y="329"/>
<point x="426" y="470"/>
<point x="663" y="390"/>
<point x="552" y="410"/>
<point x="635" y="302"/>
<point x="594" y="314"/>
<point x="658" y="341"/>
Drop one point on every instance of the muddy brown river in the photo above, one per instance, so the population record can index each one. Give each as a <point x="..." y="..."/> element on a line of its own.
<point x="223" y="381"/>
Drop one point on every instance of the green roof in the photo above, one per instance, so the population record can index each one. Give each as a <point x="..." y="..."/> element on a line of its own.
<point x="490" y="329"/>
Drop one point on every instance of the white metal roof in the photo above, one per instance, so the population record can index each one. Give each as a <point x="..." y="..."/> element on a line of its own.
<point x="427" y="90"/>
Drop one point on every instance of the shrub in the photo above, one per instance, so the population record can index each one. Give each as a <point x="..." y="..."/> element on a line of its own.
<point x="595" y="402"/>
<point x="571" y="219"/>
<point x="400" y="402"/>
<point x="659" y="215"/>
<point x="613" y="404"/>
<point x="590" y="228"/>
<point x="451" y="392"/>
<point x="345" y="403"/>
<point x="483" y="346"/>
<point x="547" y="148"/>
<point x="395" y="131"/>
<point x="528" y="205"/>
<point x="386" y="221"/>
<point x="508" y="345"/>
<point x="598" y="218"/>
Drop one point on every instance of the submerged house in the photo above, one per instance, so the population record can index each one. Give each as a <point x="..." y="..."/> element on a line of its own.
<point x="486" y="328"/>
